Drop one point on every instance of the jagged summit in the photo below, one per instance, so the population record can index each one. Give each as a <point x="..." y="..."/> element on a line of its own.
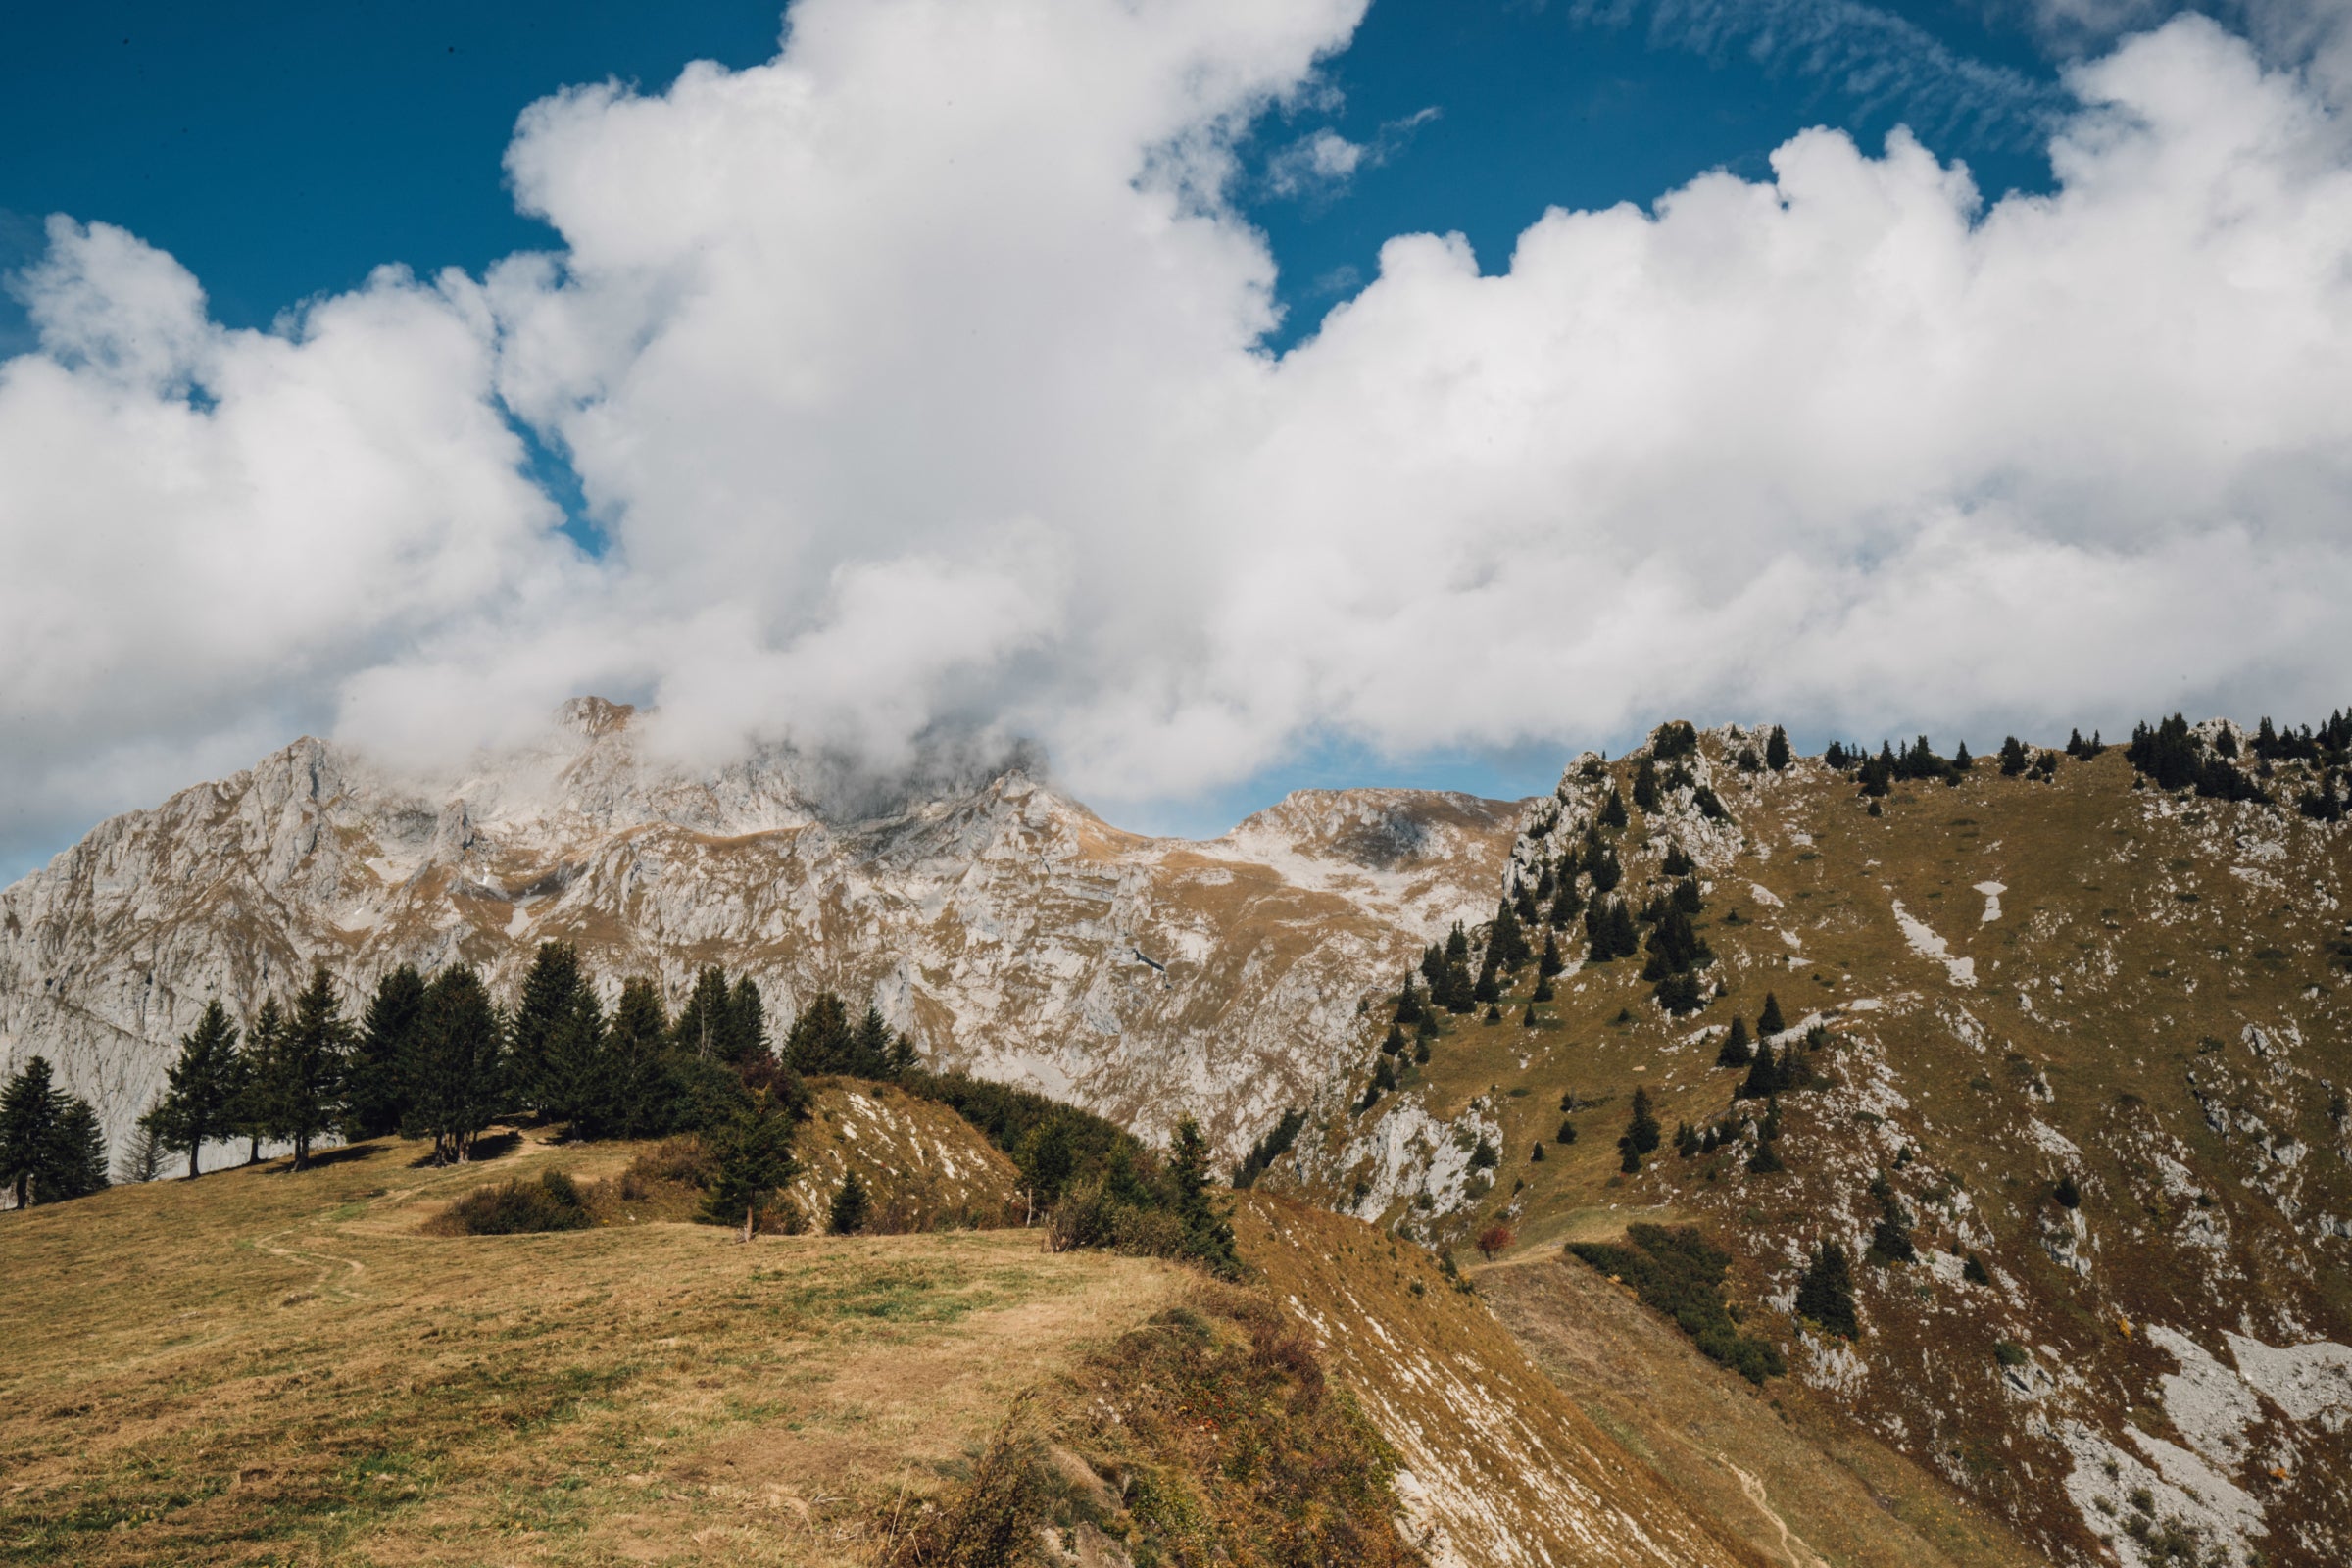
<point x="995" y="918"/>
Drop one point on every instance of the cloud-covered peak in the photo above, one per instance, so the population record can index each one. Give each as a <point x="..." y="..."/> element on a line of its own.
<point x="916" y="380"/>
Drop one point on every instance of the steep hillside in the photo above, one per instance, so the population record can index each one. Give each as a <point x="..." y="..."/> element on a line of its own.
<point x="267" y="1366"/>
<point x="2057" y="985"/>
<point x="1011" y="931"/>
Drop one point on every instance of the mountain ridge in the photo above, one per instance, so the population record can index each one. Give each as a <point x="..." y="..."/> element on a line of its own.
<point x="1006" y="926"/>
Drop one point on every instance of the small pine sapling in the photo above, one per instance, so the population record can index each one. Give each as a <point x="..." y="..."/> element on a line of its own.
<point x="1826" y="1294"/>
<point x="1769" y="1022"/>
<point x="848" y="1216"/>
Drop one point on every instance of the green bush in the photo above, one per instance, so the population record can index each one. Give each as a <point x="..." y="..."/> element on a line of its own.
<point x="516" y="1207"/>
<point x="1674" y="1271"/>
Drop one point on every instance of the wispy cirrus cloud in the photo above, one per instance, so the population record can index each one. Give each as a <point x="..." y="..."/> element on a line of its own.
<point x="1886" y="63"/>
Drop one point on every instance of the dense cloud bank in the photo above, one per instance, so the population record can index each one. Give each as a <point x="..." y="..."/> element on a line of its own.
<point x="913" y="378"/>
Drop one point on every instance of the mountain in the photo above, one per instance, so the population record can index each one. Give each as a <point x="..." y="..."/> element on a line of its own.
<point x="2076" y="1042"/>
<point x="1011" y="930"/>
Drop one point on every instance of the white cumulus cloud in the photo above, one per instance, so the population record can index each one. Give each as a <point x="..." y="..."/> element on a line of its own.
<point x="917" y="379"/>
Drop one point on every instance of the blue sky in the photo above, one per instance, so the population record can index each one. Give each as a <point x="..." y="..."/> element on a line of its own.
<point x="281" y="153"/>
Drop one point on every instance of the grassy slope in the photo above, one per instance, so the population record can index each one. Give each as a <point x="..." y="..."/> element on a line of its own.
<point x="263" y="1367"/>
<point x="2141" y="938"/>
<point x="1789" y="1472"/>
<point x="1499" y="1466"/>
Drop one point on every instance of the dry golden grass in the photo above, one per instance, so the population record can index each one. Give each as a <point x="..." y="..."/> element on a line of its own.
<point x="1787" y="1473"/>
<point x="263" y="1367"/>
<point x="1500" y="1465"/>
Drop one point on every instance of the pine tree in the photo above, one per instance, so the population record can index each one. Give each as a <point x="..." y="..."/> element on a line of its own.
<point x="30" y="1109"/>
<point x="1526" y="1020"/>
<point x="1776" y="750"/>
<point x="905" y="1058"/>
<point x="1600" y="941"/>
<point x="2013" y="757"/>
<point x="575" y="1065"/>
<point x="635" y="1092"/>
<point x="1542" y="991"/>
<point x="301" y="1086"/>
<point x="457" y="1076"/>
<point x="1641" y="1132"/>
<point x="1890" y="1236"/>
<point x="1763" y="1076"/>
<point x="550" y="995"/>
<point x="2068" y="1195"/>
<point x="848" y="1215"/>
<point x="1612" y="810"/>
<point x="747" y="1025"/>
<point x="821" y="1040"/>
<point x="1765" y="1161"/>
<point x="200" y="1087"/>
<point x="376" y="1095"/>
<point x="1673" y="947"/>
<point x="870" y="1048"/>
<point x="250" y="1112"/>
<point x="1550" y="963"/>
<point x="752" y="1151"/>
<point x="1408" y="1002"/>
<point x="1735" y="1051"/>
<point x="1686" y="1140"/>
<point x="1566" y="905"/>
<point x="1623" y="940"/>
<point x="706" y="1026"/>
<point x="1826" y="1294"/>
<point x="1208" y="1235"/>
<point x="143" y="1161"/>
<point x="1487" y="989"/>
<point x="1769" y="1022"/>
<point x="1974" y="1272"/>
<point x="1508" y="943"/>
<point x="1567" y="1132"/>
<point x="1393" y="1043"/>
<point x="77" y="1160"/>
<point x="1645" y="785"/>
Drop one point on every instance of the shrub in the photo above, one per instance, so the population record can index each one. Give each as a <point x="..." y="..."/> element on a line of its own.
<point x="1675" y="1271"/>
<point x="683" y="1161"/>
<point x="516" y="1207"/>
<point x="1494" y="1238"/>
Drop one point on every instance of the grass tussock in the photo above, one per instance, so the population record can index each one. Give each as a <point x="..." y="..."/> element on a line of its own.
<point x="1209" y="1434"/>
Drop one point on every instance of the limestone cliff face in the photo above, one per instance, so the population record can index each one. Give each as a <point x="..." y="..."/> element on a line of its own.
<point x="1008" y="927"/>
